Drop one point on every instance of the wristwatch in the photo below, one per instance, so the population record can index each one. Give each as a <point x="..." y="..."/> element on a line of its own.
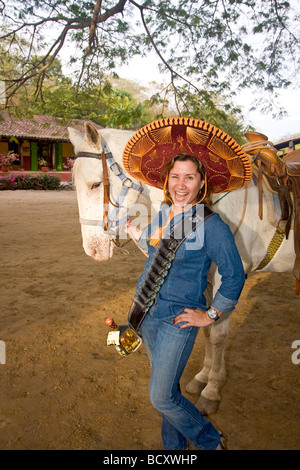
<point x="212" y="314"/>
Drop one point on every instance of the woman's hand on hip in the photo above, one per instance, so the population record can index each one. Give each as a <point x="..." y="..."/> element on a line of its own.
<point x="192" y="317"/>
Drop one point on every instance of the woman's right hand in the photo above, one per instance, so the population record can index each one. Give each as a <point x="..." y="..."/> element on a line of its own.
<point x="132" y="230"/>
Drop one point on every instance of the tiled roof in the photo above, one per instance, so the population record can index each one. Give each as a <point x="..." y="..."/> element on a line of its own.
<point x="40" y="127"/>
<point x="285" y="143"/>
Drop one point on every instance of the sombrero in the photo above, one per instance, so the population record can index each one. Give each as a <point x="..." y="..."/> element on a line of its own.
<point x="150" y="148"/>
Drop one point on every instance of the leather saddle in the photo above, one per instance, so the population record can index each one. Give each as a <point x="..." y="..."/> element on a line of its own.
<point x="282" y="176"/>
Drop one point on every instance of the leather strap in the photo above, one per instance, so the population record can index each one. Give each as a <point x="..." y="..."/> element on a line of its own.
<point x="106" y="192"/>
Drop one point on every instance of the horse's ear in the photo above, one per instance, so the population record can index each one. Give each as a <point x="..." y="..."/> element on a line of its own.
<point x="75" y="137"/>
<point x="92" y="134"/>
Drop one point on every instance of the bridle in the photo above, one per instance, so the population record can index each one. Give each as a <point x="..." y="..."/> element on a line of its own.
<point x="109" y="221"/>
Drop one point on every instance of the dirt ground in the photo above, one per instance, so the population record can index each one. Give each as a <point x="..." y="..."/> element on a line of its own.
<point x="63" y="388"/>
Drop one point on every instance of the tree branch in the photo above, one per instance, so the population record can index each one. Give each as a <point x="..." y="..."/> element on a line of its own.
<point x="94" y="25"/>
<point x="205" y="32"/>
<point x="118" y="8"/>
<point x="173" y="72"/>
<point x="283" y="26"/>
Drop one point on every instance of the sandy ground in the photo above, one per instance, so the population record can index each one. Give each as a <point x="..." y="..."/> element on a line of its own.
<point x="62" y="388"/>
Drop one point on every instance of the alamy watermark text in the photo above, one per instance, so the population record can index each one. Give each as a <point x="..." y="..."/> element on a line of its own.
<point x="2" y="353"/>
<point x="296" y="354"/>
<point x="2" y="92"/>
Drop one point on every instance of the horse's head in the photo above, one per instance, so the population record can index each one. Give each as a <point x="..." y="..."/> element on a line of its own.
<point x="88" y="174"/>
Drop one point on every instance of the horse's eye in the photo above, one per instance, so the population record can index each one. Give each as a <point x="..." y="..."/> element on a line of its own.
<point x="95" y="185"/>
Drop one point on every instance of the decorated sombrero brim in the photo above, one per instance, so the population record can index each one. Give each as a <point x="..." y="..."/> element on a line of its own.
<point x="150" y="149"/>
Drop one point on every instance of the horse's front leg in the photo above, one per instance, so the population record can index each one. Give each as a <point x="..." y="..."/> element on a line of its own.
<point x="210" y="397"/>
<point x="200" y="380"/>
<point x="210" y="380"/>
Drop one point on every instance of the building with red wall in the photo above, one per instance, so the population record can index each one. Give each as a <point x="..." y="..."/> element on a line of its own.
<point x="37" y="138"/>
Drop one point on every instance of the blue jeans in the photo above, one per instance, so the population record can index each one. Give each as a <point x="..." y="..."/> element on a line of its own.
<point x="168" y="349"/>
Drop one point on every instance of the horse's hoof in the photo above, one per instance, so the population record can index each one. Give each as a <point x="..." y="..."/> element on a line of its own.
<point x="206" y="406"/>
<point x="195" y="387"/>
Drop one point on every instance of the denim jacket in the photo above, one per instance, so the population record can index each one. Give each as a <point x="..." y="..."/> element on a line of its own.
<point x="186" y="281"/>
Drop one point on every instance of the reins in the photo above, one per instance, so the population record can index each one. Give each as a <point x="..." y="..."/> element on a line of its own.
<point x="106" y="193"/>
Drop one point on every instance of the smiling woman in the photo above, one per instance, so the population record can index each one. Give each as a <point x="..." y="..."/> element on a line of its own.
<point x="175" y="154"/>
<point x="185" y="180"/>
<point x="184" y="183"/>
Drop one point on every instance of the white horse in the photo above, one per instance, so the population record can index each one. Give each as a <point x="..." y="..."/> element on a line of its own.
<point x="239" y="209"/>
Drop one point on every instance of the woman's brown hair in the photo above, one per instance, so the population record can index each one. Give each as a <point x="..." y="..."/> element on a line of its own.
<point x="183" y="157"/>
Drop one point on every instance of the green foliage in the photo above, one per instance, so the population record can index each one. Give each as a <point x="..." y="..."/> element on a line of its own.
<point x="203" y="105"/>
<point x="100" y="104"/>
<point x="28" y="181"/>
<point x="212" y="108"/>
<point x="213" y="45"/>
<point x="111" y="102"/>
